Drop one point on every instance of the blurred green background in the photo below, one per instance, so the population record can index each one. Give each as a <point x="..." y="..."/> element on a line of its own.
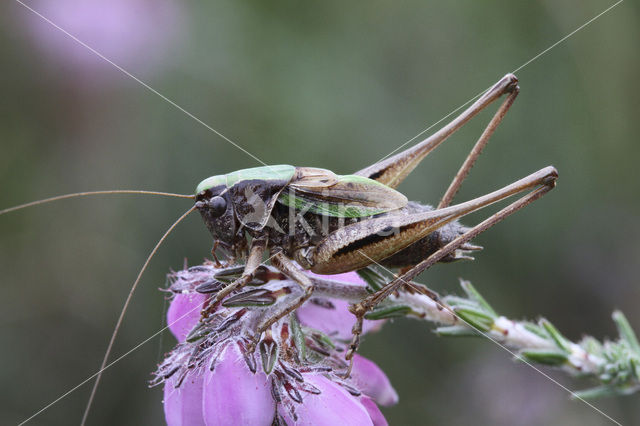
<point x="328" y="84"/>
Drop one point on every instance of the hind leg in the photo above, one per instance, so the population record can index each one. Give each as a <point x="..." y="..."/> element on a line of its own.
<point x="546" y="182"/>
<point x="391" y="171"/>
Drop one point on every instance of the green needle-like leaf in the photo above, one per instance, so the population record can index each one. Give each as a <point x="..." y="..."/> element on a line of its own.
<point x="553" y="358"/>
<point x="477" y="318"/>
<point x="372" y="278"/>
<point x="475" y="295"/>
<point x="388" y="312"/>
<point x="558" y="338"/>
<point x="626" y="332"/>
<point x="456" y="331"/>
<point x="298" y="336"/>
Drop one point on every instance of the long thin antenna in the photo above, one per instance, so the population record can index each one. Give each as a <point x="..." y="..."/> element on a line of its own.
<point x="124" y="310"/>
<point x="84" y="194"/>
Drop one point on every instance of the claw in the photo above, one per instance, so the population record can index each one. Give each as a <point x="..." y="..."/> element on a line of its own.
<point x="208" y="309"/>
<point x="470" y="247"/>
<point x="462" y="255"/>
<point x="252" y="343"/>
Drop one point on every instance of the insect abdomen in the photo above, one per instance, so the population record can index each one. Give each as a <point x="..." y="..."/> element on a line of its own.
<point x="426" y="246"/>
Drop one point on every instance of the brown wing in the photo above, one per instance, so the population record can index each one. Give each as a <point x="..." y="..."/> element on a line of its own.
<point x="323" y="192"/>
<point x="311" y="177"/>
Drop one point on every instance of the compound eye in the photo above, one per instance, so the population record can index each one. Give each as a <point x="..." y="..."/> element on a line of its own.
<point x="217" y="206"/>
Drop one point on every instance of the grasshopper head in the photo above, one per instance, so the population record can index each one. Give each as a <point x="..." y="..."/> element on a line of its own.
<point x="214" y="202"/>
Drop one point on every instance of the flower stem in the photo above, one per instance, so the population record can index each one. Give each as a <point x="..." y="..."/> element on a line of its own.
<point x="614" y="365"/>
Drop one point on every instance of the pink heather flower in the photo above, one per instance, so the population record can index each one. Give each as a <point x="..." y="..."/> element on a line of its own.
<point x="211" y="378"/>
<point x="133" y="33"/>
<point x="181" y="315"/>
<point x="333" y="318"/>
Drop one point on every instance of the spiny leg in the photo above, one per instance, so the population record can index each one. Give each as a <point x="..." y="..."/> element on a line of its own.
<point x="356" y="330"/>
<point x="216" y="243"/>
<point x="419" y="288"/>
<point x="287" y="267"/>
<point x="360" y="244"/>
<point x="254" y="260"/>
<point x="393" y="170"/>
<point x="361" y="308"/>
<point x="478" y="147"/>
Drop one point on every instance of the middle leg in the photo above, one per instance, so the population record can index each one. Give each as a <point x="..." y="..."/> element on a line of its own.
<point x="287" y="267"/>
<point x="391" y="171"/>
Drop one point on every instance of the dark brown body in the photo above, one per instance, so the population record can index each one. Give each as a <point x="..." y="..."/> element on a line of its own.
<point x="311" y="229"/>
